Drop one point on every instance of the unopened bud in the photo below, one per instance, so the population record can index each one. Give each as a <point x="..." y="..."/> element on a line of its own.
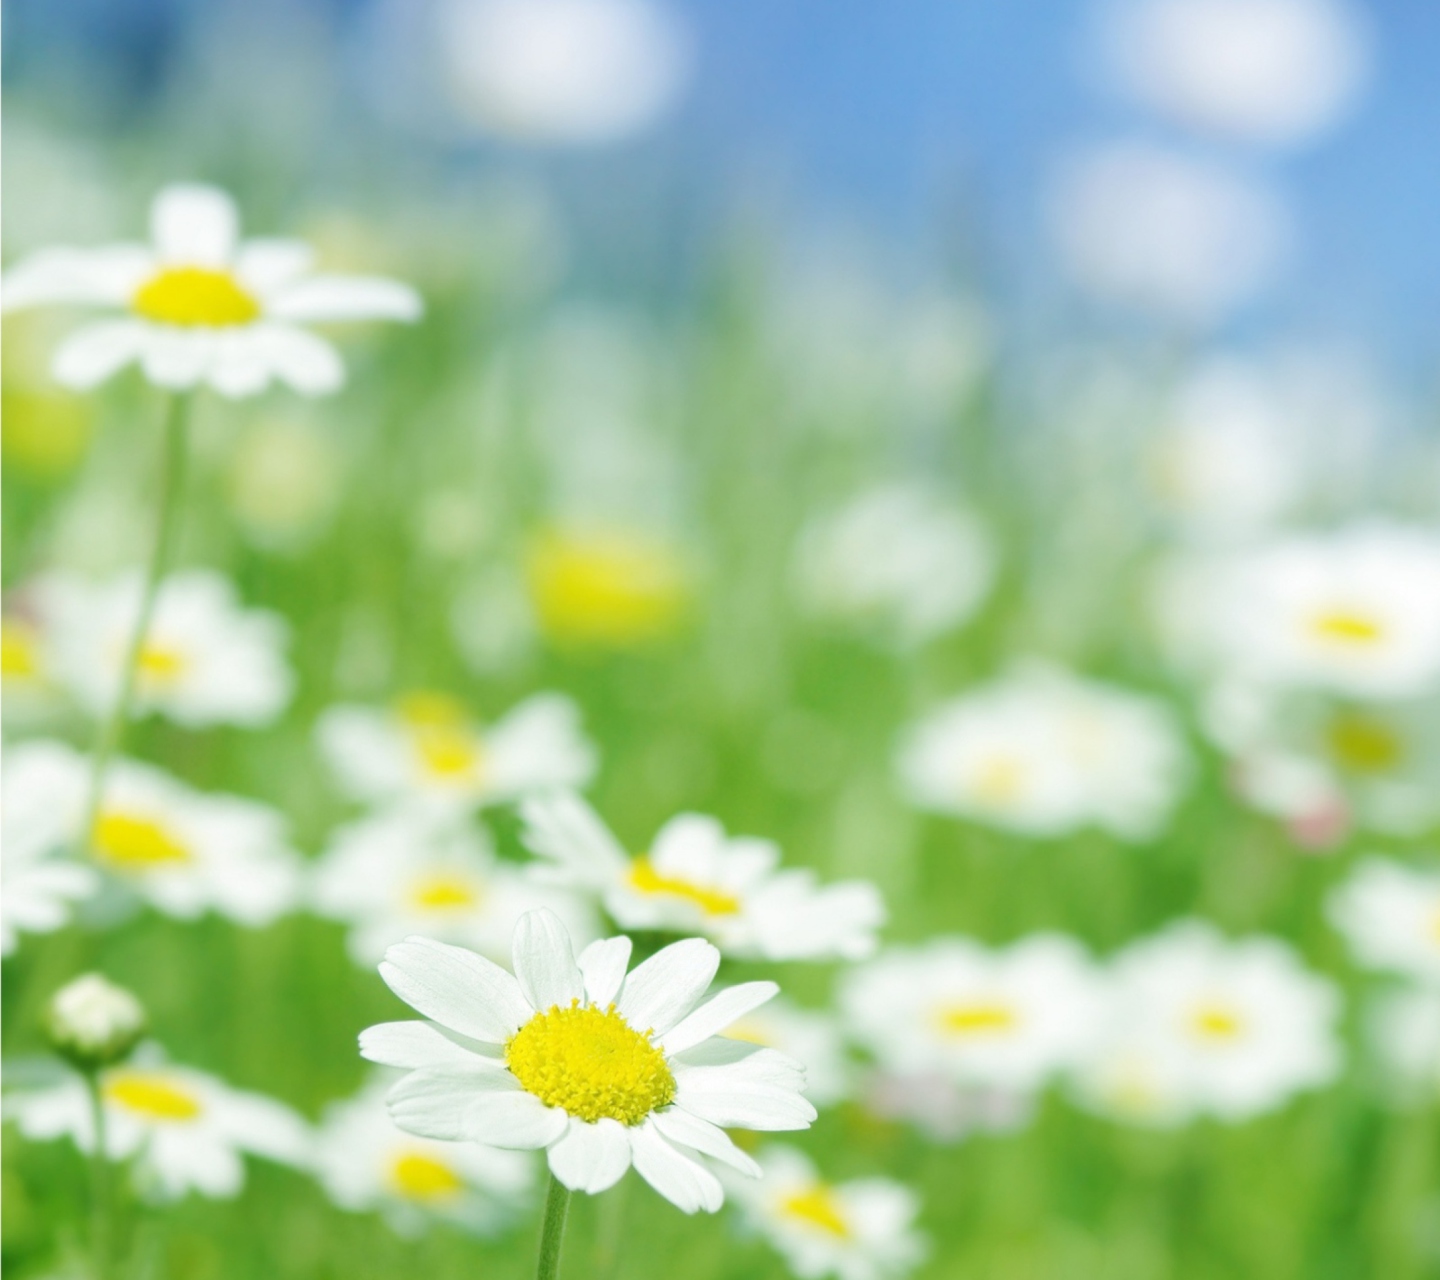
<point x="94" y="1023"/>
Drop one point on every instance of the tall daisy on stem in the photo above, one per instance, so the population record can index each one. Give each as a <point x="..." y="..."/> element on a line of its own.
<point x="197" y="307"/>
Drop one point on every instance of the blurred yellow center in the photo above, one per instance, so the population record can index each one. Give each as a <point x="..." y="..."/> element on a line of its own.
<point x="131" y="842"/>
<point x="1365" y="745"/>
<point x="976" y="1018"/>
<point x="195" y="297"/>
<point x="440" y="729"/>
<point x="999" y="781"/>
<point x="19" y="650"/>
<point x="1347" y="628"/>
<point x="417" y="1175"/>
<point x="441" y="891"/>
<point x="1217" y="1022"/>
<point x="713" y="902"/>
<point x="154" y="1096"/>
<point x="817" y="1206"/>
<point x="611" y="589"/>
<point x="162" y="664"/>
<point x="590" y="1062"/>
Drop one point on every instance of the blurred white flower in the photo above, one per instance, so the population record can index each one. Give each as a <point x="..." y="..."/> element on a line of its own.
<point x="1273" y="72"/>
<point x="811" y="1036"/>
<point x="944" y="1109"/>
<point x="206" y="658"/>
<point x="32" y="695"/>
<point x="93" y="1023"/>
<point x="201" y="307"/>
<point x="695" y="878"/>
<point x="419" y="870"/>
<point x="426" y="747"/>
<point x="899" y="559"/>
<point x="562" y="72"/>
<point x="863" y="1229"/>
<point x="1043" y="752"/>
<point x="1009" y="1018"/>
<point x="561" y="1065"/>
<point x="365" y="1163"/>
<point x="1199" y="1024"/>
<point x="1390" y="916"/>
<point x="1404" y="1028"/>
<point x="185" y="1130"/>
<point x="1181" y="237"/>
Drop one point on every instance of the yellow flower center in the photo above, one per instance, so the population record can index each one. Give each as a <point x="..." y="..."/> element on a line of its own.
<point x="440" y="729"/>
<point x="1217" y="1021"/>
<point x="1347" y="627"/>
<point x="976" y="1018"/>
<point x="162" y="664"/>
<point x="1365" y="745"/>
<point x="441" y="891"/>
<point x="195" y="297"/>
<point x="417" y="1175"/>
<point x="132" y="842"/>
<point x="152" y="1095"/>
<point x="19" y="650"/>
<point x="590" y="1062"/>
<point x="817" y="1206"/>
<point x="713" y="902"/>
<point x="999" y="781"/>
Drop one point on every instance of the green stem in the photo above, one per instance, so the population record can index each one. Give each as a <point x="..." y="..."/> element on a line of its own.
<point x="100" y="1207"/>
<point x="552" y="1233"/>
<point x="112" y="728"/>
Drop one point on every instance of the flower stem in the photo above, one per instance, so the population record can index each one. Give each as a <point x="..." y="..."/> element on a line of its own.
<point x="552" y="1233"/>
<point x="101" y="1241"/>
<point x="112" y="728"/>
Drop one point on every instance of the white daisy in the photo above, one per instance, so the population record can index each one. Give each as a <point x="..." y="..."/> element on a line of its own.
<point x="206" y="658"/>
<point x="1043" y="752"/>
<point x="184" y="852"/>
<point x="1229" y="1029"/>
<point x="1008" y="1019"/>
<point x="32" y="695"/>
<point x="198" y="306"/>
<point x="695" y="878"/>
<point x="1390" y="916"/>
<point x="899" y="558"/>
<point x="811" y="1036"/>
<point x="185" y="1129"/>
<point x="426" y="746"/>
<point x="365" y="1163"/>
<point x="419" y="870"/>
<point x="863" y="1229"/>
<point x="555" y="1057"/>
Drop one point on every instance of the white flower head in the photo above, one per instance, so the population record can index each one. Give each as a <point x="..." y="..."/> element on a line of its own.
<point x="899" y="558"/>
<point x="201" y="307"/>
<point x="1008" y="1019"/>
<point x="416" y="869"/>
<point x="695" y="878"/>
<point x="1390" y="916"/>
<point x="600" y="1067"/>
<point x="365" y="1163"/>
<point x="863" y="1229"/>
<point x="206" y="658"/>
<point x="94" y="1023"/>
<point x="185" y="1130"/>
<point x="1043" y="752"/>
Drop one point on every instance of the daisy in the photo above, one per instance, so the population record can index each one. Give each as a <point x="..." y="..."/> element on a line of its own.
<point x="695" y="878"/>
<point x="555" y="1057"/>
<point x="1390" y="916"/>
<point x="418" y="870"/>
<point x="1042" y="752"/>
<point x="185" y="1130"/>
<point x="1229" y="1029"/>
<point x="200" y="307"/>
<point x="858" y="1230"/>
<point x="1007" y="1019"/>
<point x="900" y="558"/>
<point x="427" y="746"/>
<point x="206" y="659"/>
<point x="810" y="1036"/>
<point x="183" y="852"/>
<point x="31" y="693"/>
<point x="365" y="1163"/>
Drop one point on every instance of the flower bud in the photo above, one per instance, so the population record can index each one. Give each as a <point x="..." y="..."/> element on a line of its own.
<point x="94" y="1023"/>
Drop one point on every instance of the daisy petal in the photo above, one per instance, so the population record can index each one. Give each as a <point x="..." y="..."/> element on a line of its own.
<point x="322" y="298"/>
<point x="679" y="1179"/>
<point x="194" y="223"/>
<point x="668" y="985"/>
<point x="417" y="1045"/>
<point x="264" y="266"/>
<point x="176" y="358"/>
<point x="95" y="351"/>
<point x="309" y="364"/>
<point x="591" y="1157"/>
<point x="716" y="1014"/>
<point x="758" y="1091"/>
<point x="603" y="964"/>
<point x="84" y="276"/>
<point x="565" y="829"/>
<point x="456" y="988"/>
<point x="489" y="1108"/>
<point x="544" y="963"/>
<point x="702" y="1136"/>
<point x="239" y="368"/>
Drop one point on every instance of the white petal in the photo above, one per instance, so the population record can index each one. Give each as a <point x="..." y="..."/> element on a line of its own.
<point x="263" y="266"/>
<point x="716" y="1014"/>
<point x="107" y="276"/>
<point x="676" y="1177"/>
<point x="322" y="298"/>
<point x="690" y="1131"/>
<point x="190" y="223"/>
<point x="561" y="826"/>
<point x="176" y="358"/>
<point x="591" y="1157"/>
<point x="603" y="965"/>
<point x="456" y="988"/>
<point x="95" y="351"/>
<point x="417" y="1044"/>
<point x="667" y="986"/>
<point x="309" y="364"/>
<point x="240" y="367"/>
<point x="759" y="1091"/>
<point x="489" y="1108"/>
<point x="544" y="962"/>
